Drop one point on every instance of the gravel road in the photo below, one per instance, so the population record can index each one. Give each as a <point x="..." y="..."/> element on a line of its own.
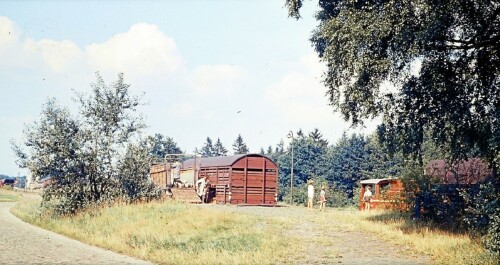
<point x="334" y="245"/>
<point x="22" y="243"/>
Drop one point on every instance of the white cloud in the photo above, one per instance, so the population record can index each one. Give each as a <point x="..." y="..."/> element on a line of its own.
<point x="221" y="78"/>
<point x="300" y="95"/>
<point x="27" y="53"/>
<point x="142" y="50"/>
<point x="58" y="55"/>
<point x="8" y="34"/>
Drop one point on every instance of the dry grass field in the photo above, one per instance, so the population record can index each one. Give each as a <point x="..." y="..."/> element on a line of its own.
<point x="177" y="233"/>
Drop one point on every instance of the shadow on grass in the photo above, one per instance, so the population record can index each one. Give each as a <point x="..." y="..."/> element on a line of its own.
<point x="409" y="225"/>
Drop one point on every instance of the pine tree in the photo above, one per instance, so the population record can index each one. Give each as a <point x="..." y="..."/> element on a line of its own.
<point x="239" y="146"/>
<point x="219" y="149"/>
<point x="269" y="150"/>
<point x="207" y="149"/>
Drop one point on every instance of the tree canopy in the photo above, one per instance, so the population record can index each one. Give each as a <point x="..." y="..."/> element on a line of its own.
<point x="424" y="66"/>
<point x="239" y="146"/>
<point x="91" y="158"/>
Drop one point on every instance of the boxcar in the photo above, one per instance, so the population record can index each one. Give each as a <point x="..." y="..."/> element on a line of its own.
<point x="239" y="179"/>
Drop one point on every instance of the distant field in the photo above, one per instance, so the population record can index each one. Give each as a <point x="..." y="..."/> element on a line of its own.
<point x="8" y="195"/>
<point x="176" y="233"/>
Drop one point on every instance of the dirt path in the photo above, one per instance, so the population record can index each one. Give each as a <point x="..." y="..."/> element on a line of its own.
<point x="335" y="244"/>
<point x="22" y="243"/>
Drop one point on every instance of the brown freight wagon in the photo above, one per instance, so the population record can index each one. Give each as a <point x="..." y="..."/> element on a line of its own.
<point x="239" y="179"/>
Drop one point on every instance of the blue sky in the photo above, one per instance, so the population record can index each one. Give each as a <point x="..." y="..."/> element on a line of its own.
<point x="206" y="68"/>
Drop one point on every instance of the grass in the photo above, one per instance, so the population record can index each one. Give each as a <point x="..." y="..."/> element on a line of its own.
<point x="176" y="233"/>
<point x="173" y="233"/>
<point x="418" y="237"/>
<point x="8" y="195"/>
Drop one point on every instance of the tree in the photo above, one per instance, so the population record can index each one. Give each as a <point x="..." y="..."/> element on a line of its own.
<point x="88" y="159"/>
<point x="269" y="150"/>
<point x="317" y="137"/>
<point x="207" y="149"/>
<point x="310" y="162"/>
<point x="349" y="164"/>
<point x="441" y="57"/>
<point x="161" y="145"/>
<point x="219" y="149"/>
<point x="262" y="152"/>
<point x="239" y="146"/>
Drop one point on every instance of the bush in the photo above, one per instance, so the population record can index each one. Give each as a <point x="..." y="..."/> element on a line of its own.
<point x="482" y="214"/>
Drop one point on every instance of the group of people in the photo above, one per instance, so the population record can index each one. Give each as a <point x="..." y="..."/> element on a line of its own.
<point x="367" y="197"/>
<point x="310" y="197"/>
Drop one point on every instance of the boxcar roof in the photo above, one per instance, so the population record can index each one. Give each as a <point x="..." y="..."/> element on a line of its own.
<point x="218" y="161"/>
<point x="375" y="181"/>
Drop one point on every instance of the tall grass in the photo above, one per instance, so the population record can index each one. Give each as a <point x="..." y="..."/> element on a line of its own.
<point x="173" y="233"/>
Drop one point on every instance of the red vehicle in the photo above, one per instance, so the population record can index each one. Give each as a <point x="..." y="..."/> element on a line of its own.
<point x="387" y="193"/>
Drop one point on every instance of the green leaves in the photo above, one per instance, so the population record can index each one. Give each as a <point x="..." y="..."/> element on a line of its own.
<point x="441" y="57"/>
<point x="93" y="158"/>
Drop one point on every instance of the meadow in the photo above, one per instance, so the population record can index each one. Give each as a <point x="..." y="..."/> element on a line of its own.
<point x="8" y="195"/>
<point x="177" y="233"/>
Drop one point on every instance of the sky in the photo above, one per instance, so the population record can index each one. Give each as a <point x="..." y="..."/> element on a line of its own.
<point x="204" y="68"/>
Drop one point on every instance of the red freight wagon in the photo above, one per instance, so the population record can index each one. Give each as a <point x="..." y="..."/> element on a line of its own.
<point x="239" y="179"/>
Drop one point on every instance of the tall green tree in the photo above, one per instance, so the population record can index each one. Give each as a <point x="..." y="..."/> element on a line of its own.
<point x="348" y="164"/>
<point x="441" y="57"/>
<point x="310" y="162"/>
<point x="208" y="148"/>
<point x="87" y="159"/>
<point x="239" y="146"/>
<point x="219" y="149"/>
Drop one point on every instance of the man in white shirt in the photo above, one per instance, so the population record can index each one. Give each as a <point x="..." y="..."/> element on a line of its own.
<point x="201" y="188"/>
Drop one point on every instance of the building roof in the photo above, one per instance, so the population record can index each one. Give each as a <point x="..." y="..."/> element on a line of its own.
<point x="470" y="171"/>
<point x="217" y="161"/>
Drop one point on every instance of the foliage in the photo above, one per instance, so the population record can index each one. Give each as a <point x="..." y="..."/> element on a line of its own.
<point x="348" y="163"/>
<point x="309" y="155"/>
<point x="161" y="145"/>
<point x="90" y="159"/>
<point x="219" y="149"/>
<point x="134" y="177"/>
<point x="474" y="207"/>
<point x="239" y="146"/>
<point x="207" y="150"/>
<point x="483" y="214"/>
<point x="431" y="69"/>
<point x="441" y="57"/>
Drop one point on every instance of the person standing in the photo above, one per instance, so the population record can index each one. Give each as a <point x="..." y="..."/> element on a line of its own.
<point x="322" y="199"/>
<point x="310" y="195"/>
<point x="367" y="197"/>
<point x="201" y="188"/>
